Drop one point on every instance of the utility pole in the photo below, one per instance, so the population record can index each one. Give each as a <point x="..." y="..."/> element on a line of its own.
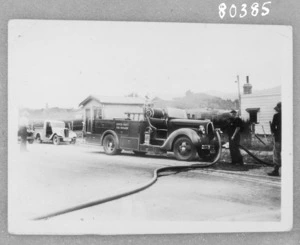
<point x="239" y="94"/>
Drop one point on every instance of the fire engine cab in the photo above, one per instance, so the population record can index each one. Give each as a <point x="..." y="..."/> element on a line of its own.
<point x="158" y="131"/>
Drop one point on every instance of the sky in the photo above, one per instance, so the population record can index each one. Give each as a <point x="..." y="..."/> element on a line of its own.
<point x="62" y="62"/>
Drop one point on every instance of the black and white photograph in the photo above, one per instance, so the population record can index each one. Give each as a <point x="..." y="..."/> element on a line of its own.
<point x="118" y="127"/>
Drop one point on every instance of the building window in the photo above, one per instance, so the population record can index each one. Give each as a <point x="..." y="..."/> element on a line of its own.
<point x="98" y="113"/>
<point x="253" y="114"/>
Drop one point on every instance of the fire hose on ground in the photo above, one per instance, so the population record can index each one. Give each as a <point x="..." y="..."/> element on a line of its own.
<point x="149" y="183"/>
<point x="254" y="157"/>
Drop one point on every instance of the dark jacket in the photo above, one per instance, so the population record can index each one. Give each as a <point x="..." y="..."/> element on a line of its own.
<point x="276" y="126"/>
<point x="233" y="123"/>
<point x="22" y="132"/>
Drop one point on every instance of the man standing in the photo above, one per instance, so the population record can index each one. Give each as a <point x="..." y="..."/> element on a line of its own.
<point x="233" y="129"/>
<point x="23" y="125"/>
<point x="276" y="132"/>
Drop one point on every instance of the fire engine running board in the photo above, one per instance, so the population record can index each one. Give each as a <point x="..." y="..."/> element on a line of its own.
<point x="130" y="192"/>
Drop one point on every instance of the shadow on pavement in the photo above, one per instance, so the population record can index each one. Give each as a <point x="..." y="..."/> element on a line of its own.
<point x="130" y="154"/>
<point x="231" y="167"/>
<point x="221" y="165"/>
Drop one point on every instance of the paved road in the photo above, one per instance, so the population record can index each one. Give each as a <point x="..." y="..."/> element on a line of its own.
<point x="50" y="178"/>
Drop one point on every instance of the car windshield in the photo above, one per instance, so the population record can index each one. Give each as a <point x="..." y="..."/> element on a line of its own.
<point x="57" y="124"/>
<point x="176" y="113"/>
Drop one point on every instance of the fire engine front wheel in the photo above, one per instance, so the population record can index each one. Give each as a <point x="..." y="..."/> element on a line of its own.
<point x="184" y="149"/>
<point x="110" y="145"/>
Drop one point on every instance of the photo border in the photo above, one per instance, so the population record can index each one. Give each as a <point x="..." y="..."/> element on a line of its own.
<point x="204" y="12"/>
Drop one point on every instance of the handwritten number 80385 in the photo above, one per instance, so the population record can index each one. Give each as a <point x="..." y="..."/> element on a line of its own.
<point x="242" y="11"/>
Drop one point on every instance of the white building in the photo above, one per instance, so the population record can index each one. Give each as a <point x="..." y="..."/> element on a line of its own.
<point x="258" y="107"/>
<point x="109" y="107"/>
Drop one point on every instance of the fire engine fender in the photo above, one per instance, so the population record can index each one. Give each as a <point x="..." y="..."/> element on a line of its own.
<point x="194" y="137"/>
<point x="107" y="132"/>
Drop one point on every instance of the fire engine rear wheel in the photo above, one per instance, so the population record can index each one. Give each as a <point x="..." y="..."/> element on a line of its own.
<point x="110" y="145"/>
<point x="56" y="140"/>
<point x="184" y="149"/>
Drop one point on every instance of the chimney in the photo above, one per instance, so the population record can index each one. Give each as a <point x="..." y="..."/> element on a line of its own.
<point x="247" y="86"/>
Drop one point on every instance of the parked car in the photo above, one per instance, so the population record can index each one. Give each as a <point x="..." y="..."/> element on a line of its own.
<point x="53" y="131"/>
<point x="159" y="131"/>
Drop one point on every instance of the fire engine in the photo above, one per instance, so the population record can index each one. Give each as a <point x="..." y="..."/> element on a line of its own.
<point x="158" y="131"/>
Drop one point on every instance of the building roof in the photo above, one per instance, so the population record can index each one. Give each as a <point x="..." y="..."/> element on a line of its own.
<point x="265" y="92"/>
<point x="114" y="100"/>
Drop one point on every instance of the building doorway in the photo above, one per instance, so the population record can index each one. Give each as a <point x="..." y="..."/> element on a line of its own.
<point x="88" y="121"/>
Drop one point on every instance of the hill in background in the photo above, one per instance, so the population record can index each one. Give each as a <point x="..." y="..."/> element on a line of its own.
<point x="197" y="101"/>
<point x="223" y="95"/>
<point x="54" y="113"/>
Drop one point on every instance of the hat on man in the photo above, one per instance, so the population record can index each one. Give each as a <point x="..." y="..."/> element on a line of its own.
<point x="278" y="106"/>
<point x="233" y="111"/>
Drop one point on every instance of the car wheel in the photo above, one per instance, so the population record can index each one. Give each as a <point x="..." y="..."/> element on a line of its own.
<point x="38" y="139"/>
<point x="56" y="140"/>
<point x="110" y="145"/>
<point x="73" y="141"/>
<point x="139" y="153"/>
<point x="184" y="149"/>
<point x="30" y="141"/>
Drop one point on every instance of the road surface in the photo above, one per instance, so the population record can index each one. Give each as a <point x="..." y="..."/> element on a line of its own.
<point x="49" y="178"/>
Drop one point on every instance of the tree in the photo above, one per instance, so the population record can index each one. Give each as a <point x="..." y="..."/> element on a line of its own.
<point x="132" y="94"/>
<point x="188" y="93"/>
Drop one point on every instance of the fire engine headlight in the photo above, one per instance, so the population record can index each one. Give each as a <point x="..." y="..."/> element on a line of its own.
<point x="202" y="129"/>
